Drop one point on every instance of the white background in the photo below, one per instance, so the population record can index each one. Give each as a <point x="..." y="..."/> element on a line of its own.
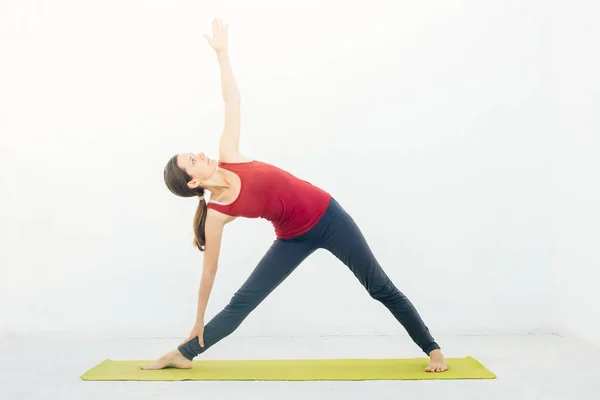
<point x="457" y="134"/>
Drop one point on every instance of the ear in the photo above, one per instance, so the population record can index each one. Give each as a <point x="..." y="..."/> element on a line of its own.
<point x="193" y="184"/>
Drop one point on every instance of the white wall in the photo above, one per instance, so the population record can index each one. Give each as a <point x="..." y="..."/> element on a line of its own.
<point x="8" y="203"/>
<point x="424" y="119"/>
<point x="574" y="91"/>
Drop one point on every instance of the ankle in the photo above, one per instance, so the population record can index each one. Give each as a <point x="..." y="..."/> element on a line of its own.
<point x="436" y="353"/>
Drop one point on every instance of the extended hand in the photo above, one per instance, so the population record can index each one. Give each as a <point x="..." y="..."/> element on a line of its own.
<point x="197" y="331"/>
<point x="220" y="35"/>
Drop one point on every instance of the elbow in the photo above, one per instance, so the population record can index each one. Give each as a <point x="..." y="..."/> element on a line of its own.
<point x="210" y="271"/>
<point x="233" y="100"/>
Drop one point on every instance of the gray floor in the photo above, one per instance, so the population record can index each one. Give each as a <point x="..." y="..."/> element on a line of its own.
<point x="528" y="367"/>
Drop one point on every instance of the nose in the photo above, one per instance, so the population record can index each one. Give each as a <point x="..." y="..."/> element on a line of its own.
<point x="202" y="156"/>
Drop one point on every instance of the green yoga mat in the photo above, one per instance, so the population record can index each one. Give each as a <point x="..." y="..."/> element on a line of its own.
<point x="291" y="370"/>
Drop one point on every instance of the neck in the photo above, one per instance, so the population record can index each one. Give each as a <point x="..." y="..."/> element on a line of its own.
<point x="218" y="183"/>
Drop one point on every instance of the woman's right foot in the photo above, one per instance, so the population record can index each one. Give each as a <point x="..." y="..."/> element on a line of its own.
<point x="173" y="359"/>
<point x="436" y="362"/>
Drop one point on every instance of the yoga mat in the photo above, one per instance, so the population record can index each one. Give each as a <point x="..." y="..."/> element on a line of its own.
<point x="291" y="370"/>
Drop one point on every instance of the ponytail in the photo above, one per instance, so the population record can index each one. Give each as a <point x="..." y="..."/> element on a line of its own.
<point x="177" y="180"/>
<point x="199" y="219"/>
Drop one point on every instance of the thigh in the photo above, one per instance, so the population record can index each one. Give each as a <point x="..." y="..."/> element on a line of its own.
<point x="276" y="265"/>
<point x="346" y="242"/>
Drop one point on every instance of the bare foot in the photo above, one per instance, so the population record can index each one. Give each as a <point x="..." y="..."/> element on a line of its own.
<point x="173" y="359"/>
<point x="436" y="362"/>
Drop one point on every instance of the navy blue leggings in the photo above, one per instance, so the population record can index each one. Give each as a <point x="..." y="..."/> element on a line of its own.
<point x="336" y="232"/>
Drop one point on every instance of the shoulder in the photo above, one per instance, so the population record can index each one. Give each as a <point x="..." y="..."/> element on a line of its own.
<point x="233" y="157"/>
<point x="216" y="219"/>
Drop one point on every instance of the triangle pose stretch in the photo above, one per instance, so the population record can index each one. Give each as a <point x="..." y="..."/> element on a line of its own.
<point x="305" y="218"/>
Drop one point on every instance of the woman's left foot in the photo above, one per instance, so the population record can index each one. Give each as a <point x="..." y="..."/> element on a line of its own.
<point x="436" y="362"/>
<point x="173" y="359"/>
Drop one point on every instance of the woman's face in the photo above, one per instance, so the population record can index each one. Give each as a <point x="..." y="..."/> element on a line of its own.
<point x="197" y="165"/>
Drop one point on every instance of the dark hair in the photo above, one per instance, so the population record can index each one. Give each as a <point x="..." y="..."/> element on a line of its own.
<point x="176" y="180"/>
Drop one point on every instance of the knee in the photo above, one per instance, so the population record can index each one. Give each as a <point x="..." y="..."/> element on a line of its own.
<point x="380" y="291"/>
<point x="242" y="302"/>
<point x="385" y="292"/>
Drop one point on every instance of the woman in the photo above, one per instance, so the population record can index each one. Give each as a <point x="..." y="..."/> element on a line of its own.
<point x="305" y="218"/>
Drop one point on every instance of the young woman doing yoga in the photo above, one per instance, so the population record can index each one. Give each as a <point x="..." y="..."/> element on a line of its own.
<point x="305" y="218"/>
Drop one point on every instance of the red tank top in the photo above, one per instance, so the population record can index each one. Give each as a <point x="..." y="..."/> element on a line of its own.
<point x="291" y="204"/>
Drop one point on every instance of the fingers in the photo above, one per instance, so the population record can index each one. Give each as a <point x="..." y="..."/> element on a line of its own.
<point x="219" y="32"/>
<point x="219" y="26"/>
<point x="201" y="340"/>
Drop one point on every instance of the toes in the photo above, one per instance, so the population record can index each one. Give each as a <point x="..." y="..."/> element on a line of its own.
<point x="436" y="368"/>
<point x="150" y="366"/>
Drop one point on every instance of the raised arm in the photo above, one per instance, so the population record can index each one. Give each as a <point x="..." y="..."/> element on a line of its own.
<point x="230" y="137"/>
